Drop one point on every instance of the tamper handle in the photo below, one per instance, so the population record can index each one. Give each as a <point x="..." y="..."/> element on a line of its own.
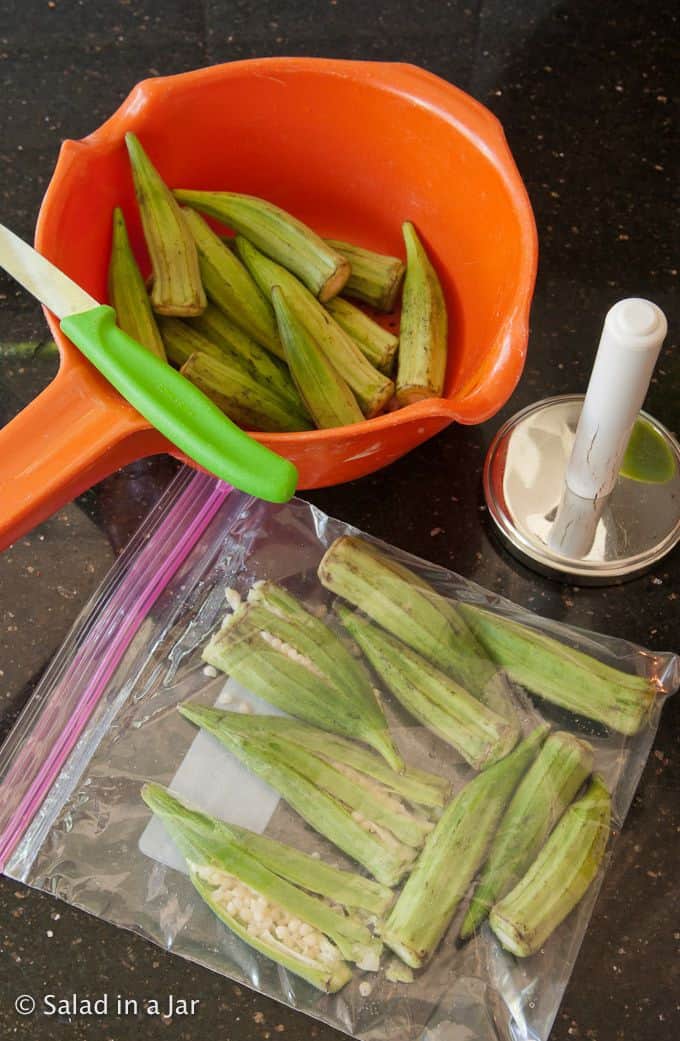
<point x="633" y="332"/>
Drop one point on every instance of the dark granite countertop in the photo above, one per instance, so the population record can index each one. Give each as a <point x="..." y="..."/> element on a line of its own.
<point x="585" y="95"/>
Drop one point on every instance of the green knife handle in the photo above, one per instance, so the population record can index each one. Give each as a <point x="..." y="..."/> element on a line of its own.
<point x="178" y="409"/>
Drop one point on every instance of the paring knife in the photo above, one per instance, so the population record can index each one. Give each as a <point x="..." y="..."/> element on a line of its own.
<point x="163" y="396"/>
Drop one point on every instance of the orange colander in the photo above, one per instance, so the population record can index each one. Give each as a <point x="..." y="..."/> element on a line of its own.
<point x="353" y="148"/>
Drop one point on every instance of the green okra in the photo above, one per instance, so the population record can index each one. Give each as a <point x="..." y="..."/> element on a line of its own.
<point x="263" y="366"/>
<point x="371" y="388"/>
<point x="127" y="291"/>
<point x="253" y="896"/>
<point x="245" y="401"/>
<point x="230" y="286"/>
<point x="377" y="344"/>
<point x="438" y="702"/>
<point x="346" y="805"/>
<point x="563" y="675"/>
<point x="560" y="876"/>
<point x="291" y="659"/>
<point x="181" y="340"/>
<point x="278" y="235"/>
<point x="418" y="787"/>
<point x="177" y="288"/>
<point x="405" y="605"/>
<point x="452" y="855"/>
<point x="423" y="333"/>
<point x="327" y="397"/>
<point x="544" y="793"/>
<point x="375" y="278"/>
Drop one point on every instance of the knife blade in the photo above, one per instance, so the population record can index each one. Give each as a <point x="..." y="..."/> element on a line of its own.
<point x="172" y="404"/>
<point x="59" y="293"/>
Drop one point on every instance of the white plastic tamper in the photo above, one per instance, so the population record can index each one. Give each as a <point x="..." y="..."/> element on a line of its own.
<point x="588" y="489"/>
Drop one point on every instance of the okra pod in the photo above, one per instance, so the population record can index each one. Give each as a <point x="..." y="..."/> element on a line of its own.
<point x="375" y="278"/>
<point x="251" y="894"/>
<point x="563" y="675"/>
<point x="278" y="235"/>
<point x="544" y="793"/>
<point x="346" y="805"/>
<point x="374" y="342"/>
<point x="263" y="366"/>
<point x="181" y="340"/>
<point x="438" y="702"/>
<point x="559" y="877"/>
<point x="424" y="326"/>
<point x="177" y="288"/>
<point x="327" y="397"/>
<point x="405" y="605"/>
<point x="246" y="402"/>
<point x="417" y="787"/>
<point x="291" y="659"/>
<point x="230" y="286"/>
<point x="127" y="291"/>
<point x="371" y="388"/>
<point x="452" y="855"/>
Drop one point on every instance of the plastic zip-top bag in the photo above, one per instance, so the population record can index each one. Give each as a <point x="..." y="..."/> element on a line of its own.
<point x="331" y="771"/>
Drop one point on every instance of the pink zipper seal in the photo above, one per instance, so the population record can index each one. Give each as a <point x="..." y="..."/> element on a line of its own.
<point x="25" y="785"/>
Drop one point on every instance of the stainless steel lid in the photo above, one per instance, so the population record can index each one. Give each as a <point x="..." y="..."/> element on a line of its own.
<point x="554" y="531"/>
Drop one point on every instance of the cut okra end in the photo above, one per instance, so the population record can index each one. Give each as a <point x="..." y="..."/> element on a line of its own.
<point x="375" y="278"/>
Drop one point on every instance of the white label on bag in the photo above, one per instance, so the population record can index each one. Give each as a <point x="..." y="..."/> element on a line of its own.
<point x="215" y="781"/>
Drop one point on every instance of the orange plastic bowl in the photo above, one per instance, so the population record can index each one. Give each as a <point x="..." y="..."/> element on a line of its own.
<point x="353" y="148"/>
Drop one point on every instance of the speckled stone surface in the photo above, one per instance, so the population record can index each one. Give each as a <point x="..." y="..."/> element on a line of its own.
<point x="585" y="94"/>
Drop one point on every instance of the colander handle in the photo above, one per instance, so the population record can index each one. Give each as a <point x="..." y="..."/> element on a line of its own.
<point x="65" y="441"/>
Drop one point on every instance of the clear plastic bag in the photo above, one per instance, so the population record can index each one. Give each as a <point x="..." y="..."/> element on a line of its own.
<point x="104" y="721"/>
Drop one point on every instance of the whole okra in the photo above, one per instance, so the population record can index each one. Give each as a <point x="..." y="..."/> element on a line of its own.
<point x="560" y="876"/>
<point x="563" y="675"/>
<point x="438" y="702"/>
<point x="181" y="340"/>
<point x="177" y="288"/>
<point x="240" y="397"/>
<point x="127" y="291"/>
<point x="452" y="855"/>
<point x="246" y="881"/>
<point x="375" y="343"/>
<point x="266" y="368"/>
<point x="230" y="286"/>
<point x="279" y="235"/>
<point x="327" y="397"/>
<point x="331" y="790"/>
<point x="371" y="388"/>
<point x="404" y="604"/>
<point x="544" y="793"/>
<point x="290" y="658"/>
<point x="424" y="326"/>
